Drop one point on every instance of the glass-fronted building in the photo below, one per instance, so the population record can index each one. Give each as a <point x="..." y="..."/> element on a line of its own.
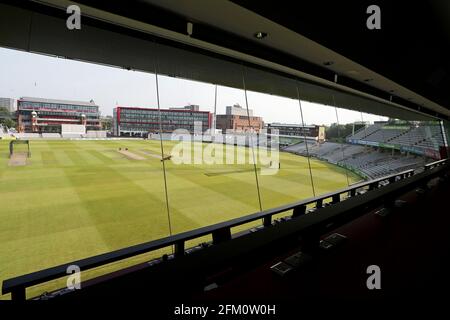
<point x="130" y="121"/>
<point x="8" y="103"/>
<point x="47" y="115"/>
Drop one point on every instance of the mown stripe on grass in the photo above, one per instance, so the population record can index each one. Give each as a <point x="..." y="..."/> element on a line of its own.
<point x="49" y="159"/>
<point x="37" y="253"/>
<point x="62" y="158"/>
<point x="272" y="192"/>
<point x="239" y="186"/>
<point x="131" y="213"/>
<point x="50" y="228"/>
<point x="296" y="190"/>
<point x="17" y="185"/>
<point x="90" y="158"/>
<point x="76" y="158"/>
<point x="101" y="156"/>
<point x="209" y="204"/>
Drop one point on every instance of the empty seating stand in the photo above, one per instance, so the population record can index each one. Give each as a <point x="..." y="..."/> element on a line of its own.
<point x="366" y="131"/>
<point x="27" y="135"/>
<point x="368" y="161"/>
<point x="71" y="136"/>
<point x="420" y="137"/>
<point x="51" y="135"/>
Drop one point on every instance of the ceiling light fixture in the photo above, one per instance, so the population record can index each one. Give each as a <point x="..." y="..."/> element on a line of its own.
<point x="260" y="35"/>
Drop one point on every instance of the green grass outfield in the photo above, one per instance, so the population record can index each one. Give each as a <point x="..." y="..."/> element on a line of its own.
<point x="76" y="199"/>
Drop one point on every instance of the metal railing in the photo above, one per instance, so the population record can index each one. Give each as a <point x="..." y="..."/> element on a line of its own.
<point x="220" y="232"/>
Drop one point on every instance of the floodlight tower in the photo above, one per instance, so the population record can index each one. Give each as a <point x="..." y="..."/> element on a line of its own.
<point x="34" y="126"/>
<point x="83" y="119"/>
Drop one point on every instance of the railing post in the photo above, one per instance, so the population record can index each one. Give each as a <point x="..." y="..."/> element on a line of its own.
<point x="299" y="211"/>
<point x="221" y="235"/>
<point x="336" y="198"/>
<point x="267" y="221"/>
<point x="179" y="249"/>
<point x="319" y="203"/>
<point x="18" y="294"/>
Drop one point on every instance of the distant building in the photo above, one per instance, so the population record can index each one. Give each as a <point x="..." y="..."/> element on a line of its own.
<point x="293" y="133"/>
<point x="237" y="110"/>
<point x="192" y="107"/>
<point x="8" y="103"/>
<point x="130" y="121"/>
<point x="238" y="119"/>
<point x="48" y="115"/>
<point x="297" y="130"/>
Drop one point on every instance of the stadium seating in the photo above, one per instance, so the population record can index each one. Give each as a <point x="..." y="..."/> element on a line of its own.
<point x="51" y="135"/>
<point x="95" y="134"/>
<point x="384" y="135"/>
<point x="364" y="160"/>
<point x="71" y="136"/>
<point x="332" y="152"/>
<point x="420" y="137"/>
<point x="27" y="135"/>
<point x="366" y="131"/>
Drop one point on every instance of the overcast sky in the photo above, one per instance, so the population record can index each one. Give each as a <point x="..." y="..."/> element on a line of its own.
<point x="34" y="75"/>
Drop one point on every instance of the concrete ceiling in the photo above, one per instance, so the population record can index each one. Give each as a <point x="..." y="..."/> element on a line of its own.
<point x="243" y="22"/>
<point x="228" y="28"/>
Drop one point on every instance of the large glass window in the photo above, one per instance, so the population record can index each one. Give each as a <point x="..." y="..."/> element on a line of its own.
<point x="80" y="194"/>
<point x="175" y="154"/>
<point x="323" y="144"/>
<point x="209" y="173"/>
<point x="278" y="135"/>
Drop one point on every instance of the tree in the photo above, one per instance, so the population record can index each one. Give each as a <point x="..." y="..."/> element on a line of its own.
<point x="338" y="133"/>
<point x="6" y="118"/>
<point x="4" y="112"/>
<point x="10" y="123"/>
<point x="106" y="123"/>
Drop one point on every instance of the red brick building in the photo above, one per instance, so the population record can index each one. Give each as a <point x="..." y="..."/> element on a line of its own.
<point x="239" y="119"/>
